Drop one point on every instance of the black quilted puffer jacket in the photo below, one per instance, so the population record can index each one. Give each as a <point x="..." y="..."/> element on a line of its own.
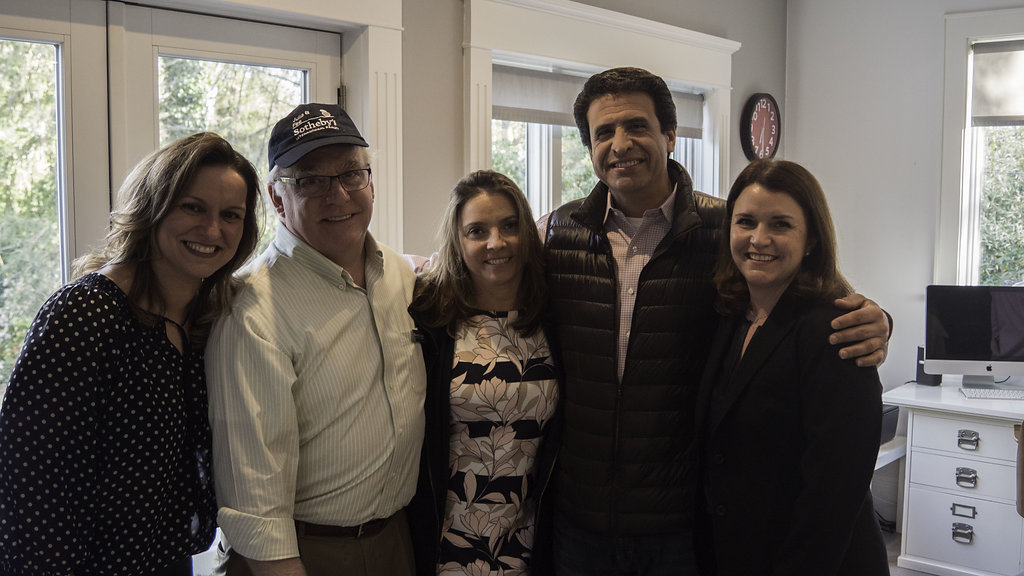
<point x="624" y="465"/>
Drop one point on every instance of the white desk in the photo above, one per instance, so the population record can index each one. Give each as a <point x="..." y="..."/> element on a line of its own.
<point x="959" y="506"/>
<point x="891" y="451"/>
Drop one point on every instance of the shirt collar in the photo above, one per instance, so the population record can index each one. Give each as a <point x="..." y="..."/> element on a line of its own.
<point x="292" y="246"/>
<point x="667" y="207"/>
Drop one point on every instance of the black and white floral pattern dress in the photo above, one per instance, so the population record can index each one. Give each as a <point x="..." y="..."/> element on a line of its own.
<point x="503" y="393"/>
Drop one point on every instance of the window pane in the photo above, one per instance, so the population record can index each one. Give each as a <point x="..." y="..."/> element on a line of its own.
<point x="520" y="150"/>
<point x="1001" y="222"/>
<point x="240" y="102"/>
<point x="508" y="150"/>
<point x="30" y="256"/>
<point x="577" y="173"/>
<point x="689" y="152"/>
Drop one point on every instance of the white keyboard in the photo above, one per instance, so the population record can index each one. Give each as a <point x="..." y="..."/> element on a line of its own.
<point x="994" y="393"/>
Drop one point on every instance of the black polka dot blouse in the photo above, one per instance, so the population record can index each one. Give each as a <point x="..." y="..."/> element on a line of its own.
<point x="104" y="443"/>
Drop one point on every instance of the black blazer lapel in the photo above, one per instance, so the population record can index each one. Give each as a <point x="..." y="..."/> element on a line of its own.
<point x="759" y="351"/>
<point x="718" y="351"/>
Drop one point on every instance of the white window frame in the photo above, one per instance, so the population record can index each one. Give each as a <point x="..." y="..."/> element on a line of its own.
<point x="140" y="35"/>
<point x="957" y="211"/>
<point x="371" y="62"/>
<point x="371" y="71"/>
<point x="543" y="153"/>
<point x="77" y="27"/>
<point x="585" y="39"/>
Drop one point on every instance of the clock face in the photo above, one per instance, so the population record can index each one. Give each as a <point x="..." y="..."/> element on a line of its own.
<point x="761" y="127"/>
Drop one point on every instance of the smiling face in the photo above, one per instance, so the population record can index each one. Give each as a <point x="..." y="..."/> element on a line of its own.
<point x="629" y="151"/>
<point x="334" y="225"/>
<point x="202" y="231"/>
<point x="768" y="240"/>
<point x="489" y="242"/>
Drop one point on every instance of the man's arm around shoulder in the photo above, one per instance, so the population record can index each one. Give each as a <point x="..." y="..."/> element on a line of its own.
<point x="866" y="328"/>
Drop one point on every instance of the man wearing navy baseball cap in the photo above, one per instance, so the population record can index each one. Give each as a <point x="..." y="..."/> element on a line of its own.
<point x="315" y="381"/>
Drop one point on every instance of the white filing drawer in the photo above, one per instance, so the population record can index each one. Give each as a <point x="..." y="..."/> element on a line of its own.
<point x="951" y="434"/>
<point x="973" y="478"/>
<point x="988" y="536"/>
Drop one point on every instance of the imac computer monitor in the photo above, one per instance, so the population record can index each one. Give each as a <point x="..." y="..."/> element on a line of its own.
<point x="977" y="331"/>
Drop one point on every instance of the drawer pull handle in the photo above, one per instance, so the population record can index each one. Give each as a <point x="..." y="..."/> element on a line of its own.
<point x="963" y="533"/>
<point x="964" y="511"/>
<point x="968" y="440"/>
<point x="967" y="477"/>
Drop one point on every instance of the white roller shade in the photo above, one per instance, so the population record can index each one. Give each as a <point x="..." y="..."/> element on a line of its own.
<point x="523" y="95"/>
<point x="997" y="97"/>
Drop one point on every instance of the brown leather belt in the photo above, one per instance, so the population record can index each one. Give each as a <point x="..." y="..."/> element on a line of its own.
<point x="361" y="531"/>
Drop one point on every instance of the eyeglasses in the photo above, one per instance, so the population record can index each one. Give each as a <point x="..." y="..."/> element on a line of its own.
<point x="320" y="185"/>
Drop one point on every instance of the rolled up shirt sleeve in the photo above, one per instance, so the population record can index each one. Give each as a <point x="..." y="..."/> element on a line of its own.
<point x="255" y="438"/>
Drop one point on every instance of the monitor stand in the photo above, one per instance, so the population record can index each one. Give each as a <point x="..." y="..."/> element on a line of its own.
<point x="989" y="382"/>
<point x="971" y="381"/>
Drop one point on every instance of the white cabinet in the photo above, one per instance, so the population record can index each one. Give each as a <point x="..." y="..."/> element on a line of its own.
<point x="960" y="513"/>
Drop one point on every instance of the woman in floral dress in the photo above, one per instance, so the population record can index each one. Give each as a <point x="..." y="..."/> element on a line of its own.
<point x="492" y="390"/>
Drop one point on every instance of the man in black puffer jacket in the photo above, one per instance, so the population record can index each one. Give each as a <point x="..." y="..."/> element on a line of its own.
<point x="629" y="272"/>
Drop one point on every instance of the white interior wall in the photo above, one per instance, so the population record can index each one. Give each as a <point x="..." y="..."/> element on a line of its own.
<point x="432" y="115"/>
<point x="864" y="113"/>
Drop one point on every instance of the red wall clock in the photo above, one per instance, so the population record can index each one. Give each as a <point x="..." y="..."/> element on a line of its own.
<point x="760" y="127"/>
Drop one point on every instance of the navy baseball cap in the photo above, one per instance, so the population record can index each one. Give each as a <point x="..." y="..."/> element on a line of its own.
<point x="308" y="127"/>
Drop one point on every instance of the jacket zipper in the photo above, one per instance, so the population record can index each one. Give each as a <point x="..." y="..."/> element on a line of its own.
<point x="614" y="517"/>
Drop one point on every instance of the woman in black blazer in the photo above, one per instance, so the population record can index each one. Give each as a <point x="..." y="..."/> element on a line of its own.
<point x="788" y="432"/>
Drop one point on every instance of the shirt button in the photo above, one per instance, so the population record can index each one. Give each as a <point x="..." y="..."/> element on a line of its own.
<point x="634" y="249"/>
<point x="721" y="510"/>
<point x="630" y="291"/>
